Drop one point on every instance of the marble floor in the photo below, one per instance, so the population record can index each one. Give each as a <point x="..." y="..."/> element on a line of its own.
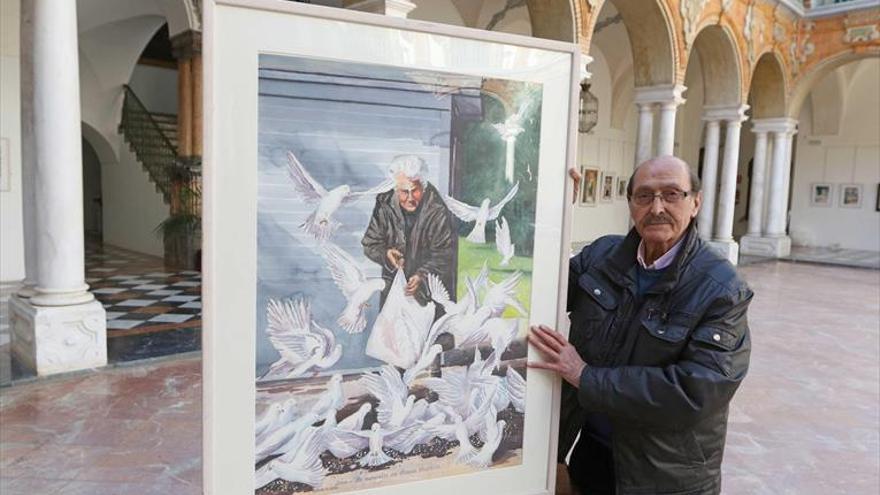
<point x="804" y="422"/>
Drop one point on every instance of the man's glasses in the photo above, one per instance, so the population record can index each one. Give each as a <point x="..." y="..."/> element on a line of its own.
<point x="672" y="196"/>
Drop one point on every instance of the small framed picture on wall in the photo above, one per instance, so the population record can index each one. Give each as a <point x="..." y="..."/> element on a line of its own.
<point x="820" y="194"/>
<point x="609" y="182"/>
<point x="621" y="187"/>
<point x="590" y="187"/>
<point x="851" y="195"/>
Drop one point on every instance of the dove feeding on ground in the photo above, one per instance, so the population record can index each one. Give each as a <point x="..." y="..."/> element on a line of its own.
<point x="320" y="222"/>
<point x="502" y="241"/>
<point x="355" y="421"/>
<point x="302" y="465"/>
<point x="355" y="286"/>
<point x="494" y="434"/>
<point x="302" y="343"/>
<point x="276" y="415"/>
<point x="395" y="401"/>
<point x="479" y="214"/>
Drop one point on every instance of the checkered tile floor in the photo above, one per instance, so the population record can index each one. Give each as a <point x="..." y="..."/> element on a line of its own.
<point x="150" y="311"/>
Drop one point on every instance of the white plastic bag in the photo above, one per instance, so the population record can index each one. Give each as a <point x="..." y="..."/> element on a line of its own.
<point x="401" y="328"/>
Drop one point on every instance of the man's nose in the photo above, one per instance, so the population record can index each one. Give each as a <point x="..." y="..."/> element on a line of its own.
<point x="657" y="205"/>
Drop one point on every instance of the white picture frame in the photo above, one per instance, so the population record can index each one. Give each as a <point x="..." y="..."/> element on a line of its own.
<point x="236" y="33"/>
<point x="5" y="165"/>
<point x="850" y="196"/>
<point x="607" y="187"/>
<point x="821" y="194"/>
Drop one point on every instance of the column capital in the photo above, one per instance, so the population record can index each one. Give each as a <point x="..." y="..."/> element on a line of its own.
<point x="781" y="124"/>
<point x="728" y="113"/>
<point x="186" y="44"/>
<point x="585" y="74"/>
<point x="664" y="94"/>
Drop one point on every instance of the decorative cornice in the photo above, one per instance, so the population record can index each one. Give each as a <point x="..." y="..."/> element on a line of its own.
<point x="778" y="124"/>
<point x="660" y="94"/>
<point x="728" y="113"/>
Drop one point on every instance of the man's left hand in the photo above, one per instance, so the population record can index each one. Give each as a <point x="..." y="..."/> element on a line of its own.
<point x="562" y="357"/>
<point x="412" y="285"/>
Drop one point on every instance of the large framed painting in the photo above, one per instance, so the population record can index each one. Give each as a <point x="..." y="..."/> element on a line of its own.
<point x="376" y="193"/>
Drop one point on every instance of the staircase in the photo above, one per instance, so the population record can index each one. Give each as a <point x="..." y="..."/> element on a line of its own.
<point x="153" y="139"/>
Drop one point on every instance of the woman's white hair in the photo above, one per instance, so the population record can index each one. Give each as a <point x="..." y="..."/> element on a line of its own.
<point x="410" y="166"/>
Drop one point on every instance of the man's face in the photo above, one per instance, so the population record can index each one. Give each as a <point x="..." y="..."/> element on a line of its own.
<point x="409" y="193"/>
<point x="660" y="222"/>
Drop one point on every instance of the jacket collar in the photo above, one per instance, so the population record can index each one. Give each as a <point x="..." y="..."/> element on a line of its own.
<point x="621" y="262"/>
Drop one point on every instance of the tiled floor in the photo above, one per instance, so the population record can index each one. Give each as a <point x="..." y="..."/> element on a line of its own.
<point x="804" y="422"/>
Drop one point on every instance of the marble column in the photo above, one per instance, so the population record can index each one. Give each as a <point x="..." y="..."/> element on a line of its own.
<point x="666" y="135"/>
<point x="706" y="215"/>
<point x="61" y="327"/>
<point x="28" y="152"/>
<point x="644" y="145"/>
<point x="668" y="98"/>
<point x="774" y="242"/>
<point x="759" y="173"/>
<point x="786" y="175"/>
<point x="733" y="117"/>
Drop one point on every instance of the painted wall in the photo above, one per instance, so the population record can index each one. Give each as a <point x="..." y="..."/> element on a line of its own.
<point x="852" y="156"/>
<point x="11" y="241"/>
<point x="156" y="87"/>
<point x="610" y="150"/>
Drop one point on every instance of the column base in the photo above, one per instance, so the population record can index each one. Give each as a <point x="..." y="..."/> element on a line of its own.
<point x="56" y="339"/>
<point x="771" y="247"/>
<point x="727" y="249"/>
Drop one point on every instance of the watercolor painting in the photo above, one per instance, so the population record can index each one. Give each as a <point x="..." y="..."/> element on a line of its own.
<point x="395" y="233"/>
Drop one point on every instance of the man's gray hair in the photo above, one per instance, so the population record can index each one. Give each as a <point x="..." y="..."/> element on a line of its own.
<point x="696" y="184"/>
<point x="411" y="166"/>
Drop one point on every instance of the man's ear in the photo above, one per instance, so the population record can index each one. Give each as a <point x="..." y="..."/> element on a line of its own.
<point x="698" y="202"/>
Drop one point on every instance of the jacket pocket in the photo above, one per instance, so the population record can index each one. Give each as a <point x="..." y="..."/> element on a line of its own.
<point x="659" y="342"/>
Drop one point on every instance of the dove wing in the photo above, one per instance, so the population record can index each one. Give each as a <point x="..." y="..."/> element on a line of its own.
<point x="502" y="236"/>
<point x="384" y="186"/>
<point x="464" y="211"/>
<point x="343" y="268"/>
<point x="437" y="289"/>
<point x="495" y="210"/>
<point x="382" y="387"/>
<point x="288" y="330"/>
<point x="303" y="181"/>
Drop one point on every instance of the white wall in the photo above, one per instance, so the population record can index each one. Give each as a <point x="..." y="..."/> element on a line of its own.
<point x="132" y="206"/>
<point x="156" y="87"/>
<point x="852" y="156"/>
<point x="12" y="238"/>
<point x="610" y="150"/>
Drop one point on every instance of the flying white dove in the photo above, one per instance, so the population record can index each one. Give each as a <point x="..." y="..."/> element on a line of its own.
<point x="426" y="359"/>
<point x="275" y="416"/>
<point x="502" y="241"/>
<point x="355" y="286"/>
<point x="355" y="421"/>
<point x="499" y="296"/>
<point x="516" y="389"/>
<point x="479" y="214"/>
<point x="395" y="401"/>
<point x="302" y="465"/>
<point x="320" y="223"/>
<point x="376" y="456"/>
<point x="302" y="343"/>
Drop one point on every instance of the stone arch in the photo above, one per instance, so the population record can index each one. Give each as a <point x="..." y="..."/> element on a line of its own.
<point x="554" y="19"/>
<point x="105" y="151"/>
<point x="767" y="95"/>
<point x="650" y="30"/>
<point x="721" y="65"/>
<point x="809" y="79"/>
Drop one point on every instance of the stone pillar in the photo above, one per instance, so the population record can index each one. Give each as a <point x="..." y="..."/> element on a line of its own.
<point x="786" y="175"/>
<point x="28" y="152"/>
<point x="668" y="98"/>
<point x="666" y="136"/>
<point x="759" y="173"/>
<point x="774" y="242"/>
<point x="392" y="8"/>
<point x="706" y="215"/>
<point x="187" y="49"/>
<point x="62" y="327"/>
<point x="644" y="145"/>
<point x="723" y="232"/>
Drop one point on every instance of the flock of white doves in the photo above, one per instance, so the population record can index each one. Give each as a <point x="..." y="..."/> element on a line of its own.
<point x="468" y="398"/>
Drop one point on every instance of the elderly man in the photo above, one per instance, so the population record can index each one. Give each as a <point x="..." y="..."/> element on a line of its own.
<point x="411" y="229"/>
<point x="659" y="343"/>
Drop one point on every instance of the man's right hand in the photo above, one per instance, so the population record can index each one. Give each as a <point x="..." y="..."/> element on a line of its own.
<point x="576" y="177"/>
<point x="395" y="257"/>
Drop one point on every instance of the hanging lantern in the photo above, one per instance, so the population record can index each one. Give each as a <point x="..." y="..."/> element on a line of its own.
<point x="588" y="113"/>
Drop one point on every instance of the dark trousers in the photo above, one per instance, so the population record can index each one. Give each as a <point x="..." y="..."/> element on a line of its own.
<point x="591" y="467"/>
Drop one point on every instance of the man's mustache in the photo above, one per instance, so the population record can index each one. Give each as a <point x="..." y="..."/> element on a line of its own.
<point x="657" y="220"/>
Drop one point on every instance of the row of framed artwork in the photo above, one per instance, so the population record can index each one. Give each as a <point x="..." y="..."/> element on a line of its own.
<point x="601" y="186"/>
<point x="849" y="195"/>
